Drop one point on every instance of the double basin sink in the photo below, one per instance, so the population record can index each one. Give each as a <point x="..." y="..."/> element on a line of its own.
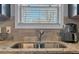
<point x="38" y="45"/>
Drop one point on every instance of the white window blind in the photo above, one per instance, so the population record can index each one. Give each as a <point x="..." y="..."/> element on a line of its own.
<point x="39" y="14"/>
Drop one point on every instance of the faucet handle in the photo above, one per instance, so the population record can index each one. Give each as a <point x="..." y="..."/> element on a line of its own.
<point x="41" y="31"/>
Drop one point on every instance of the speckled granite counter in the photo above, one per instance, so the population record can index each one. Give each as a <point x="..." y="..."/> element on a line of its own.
<point x="5" y="48"/>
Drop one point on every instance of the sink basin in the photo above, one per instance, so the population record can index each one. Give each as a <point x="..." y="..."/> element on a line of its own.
<point x="39" y="45"/>
<point x="50" y="45"/>
<point x="55" y="45"/>
<point x="23" y="45"/>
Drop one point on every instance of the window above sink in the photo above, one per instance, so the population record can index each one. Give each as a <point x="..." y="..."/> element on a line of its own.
<point x="39" y="16"/>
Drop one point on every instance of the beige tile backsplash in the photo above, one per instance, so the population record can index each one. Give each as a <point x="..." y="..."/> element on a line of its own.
<point x="22" y="34"/>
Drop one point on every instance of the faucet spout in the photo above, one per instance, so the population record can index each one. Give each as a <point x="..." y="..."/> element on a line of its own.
<point x="39" y="42"/>
<point x="41" y="33"/>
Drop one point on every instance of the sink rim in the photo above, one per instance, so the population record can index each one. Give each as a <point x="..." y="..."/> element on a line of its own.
<point x="40" y="48"/>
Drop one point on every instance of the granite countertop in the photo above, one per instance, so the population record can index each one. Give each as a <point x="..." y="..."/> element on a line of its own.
<point x="5" y="47"/>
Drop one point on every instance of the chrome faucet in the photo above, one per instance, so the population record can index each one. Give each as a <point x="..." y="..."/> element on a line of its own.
<point x="41" y="33"/>
<point x="39" y="42"/>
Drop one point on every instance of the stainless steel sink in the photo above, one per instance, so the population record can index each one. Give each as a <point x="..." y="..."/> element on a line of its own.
<point x="17" y="45"/>
<point x="55" y="45"/>
<point x="38" y="45"/>
<point x="23" y="45"/>
<point x="50" y="45"/>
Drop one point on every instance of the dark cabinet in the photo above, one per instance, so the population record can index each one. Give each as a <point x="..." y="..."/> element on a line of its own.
<point x="5" y="9"/>
<point x="73" y="11"/>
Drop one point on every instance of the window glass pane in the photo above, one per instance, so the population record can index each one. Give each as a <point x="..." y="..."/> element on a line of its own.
<point x="39" y="14"/>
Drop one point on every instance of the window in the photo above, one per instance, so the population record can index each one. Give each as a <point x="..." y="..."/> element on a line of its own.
<point x="38" y="16"/>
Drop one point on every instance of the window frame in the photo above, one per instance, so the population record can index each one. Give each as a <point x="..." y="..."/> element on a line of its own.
<point x="37" y="26"/>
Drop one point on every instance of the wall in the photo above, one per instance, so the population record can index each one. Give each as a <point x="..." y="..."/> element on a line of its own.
<point x="20" y="34"/>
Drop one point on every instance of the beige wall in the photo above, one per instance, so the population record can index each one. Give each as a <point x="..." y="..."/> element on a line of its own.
<point x="20" y="34"/>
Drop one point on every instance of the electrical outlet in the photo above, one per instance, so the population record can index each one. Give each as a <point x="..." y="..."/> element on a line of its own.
<point x="8" y="29"/>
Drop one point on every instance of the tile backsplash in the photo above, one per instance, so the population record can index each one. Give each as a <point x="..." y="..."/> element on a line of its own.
<point x="22" y="34"/>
